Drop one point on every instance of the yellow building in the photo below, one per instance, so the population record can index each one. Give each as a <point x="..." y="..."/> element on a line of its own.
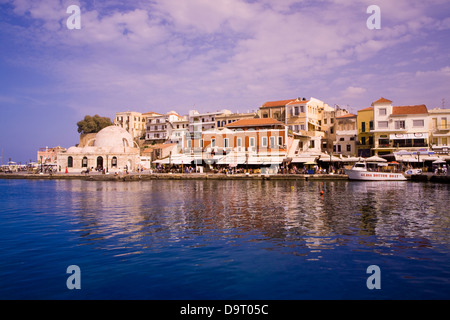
<point x="365" y="137"/>
<point x="131" y="121"/>
<point x="440" y="130"/>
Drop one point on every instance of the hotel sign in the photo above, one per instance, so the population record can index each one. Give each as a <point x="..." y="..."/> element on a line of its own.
<point x="398" y="136"/>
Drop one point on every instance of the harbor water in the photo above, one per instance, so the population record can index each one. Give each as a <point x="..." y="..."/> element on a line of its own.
<point x="231" y="239"/>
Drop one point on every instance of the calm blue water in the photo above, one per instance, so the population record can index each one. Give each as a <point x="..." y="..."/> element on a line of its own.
<point x="224" y="239"/>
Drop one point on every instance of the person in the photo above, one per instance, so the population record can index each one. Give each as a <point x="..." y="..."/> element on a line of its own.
<point x="67" y="170"/>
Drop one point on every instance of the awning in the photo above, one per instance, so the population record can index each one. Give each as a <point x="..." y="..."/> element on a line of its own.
<point x="333" y="159"/>
<point x="375" y="159"/>
<point x="303" y="159"/>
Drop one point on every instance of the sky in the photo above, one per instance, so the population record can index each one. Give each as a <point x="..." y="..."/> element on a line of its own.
<point x="209" y="55"/>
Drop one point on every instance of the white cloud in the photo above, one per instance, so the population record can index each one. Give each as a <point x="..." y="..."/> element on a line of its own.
<point x="221" y="51"/>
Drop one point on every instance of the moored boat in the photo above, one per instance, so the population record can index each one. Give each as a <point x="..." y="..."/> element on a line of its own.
<point x="360" y="172"/>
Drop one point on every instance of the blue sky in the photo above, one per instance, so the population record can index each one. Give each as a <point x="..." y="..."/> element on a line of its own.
<point x="208" y="55"/>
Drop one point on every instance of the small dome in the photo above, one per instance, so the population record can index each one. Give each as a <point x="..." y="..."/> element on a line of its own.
<point x="113" y="136"/>
<point x="74" y="150"/>
<point x="89" y="150"/>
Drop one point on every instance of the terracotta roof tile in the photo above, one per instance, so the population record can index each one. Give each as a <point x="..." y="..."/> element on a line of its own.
<point x="296" y="101"/>
<point x="348" y="115"/>
<point x="381" y="100"/>
<point x="366" y="109"/>
<point x="278" y="103"/>
<point x="255" y="122"/>
<point x="419" y="109"/>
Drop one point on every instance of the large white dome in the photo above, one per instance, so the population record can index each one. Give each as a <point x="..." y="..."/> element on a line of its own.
<point x="113" y="136"/>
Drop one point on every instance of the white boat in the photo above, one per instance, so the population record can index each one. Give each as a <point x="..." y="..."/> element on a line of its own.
<point x="360" y="172"/>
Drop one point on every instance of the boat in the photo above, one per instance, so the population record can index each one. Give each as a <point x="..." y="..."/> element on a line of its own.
<point x="359" y="171"/>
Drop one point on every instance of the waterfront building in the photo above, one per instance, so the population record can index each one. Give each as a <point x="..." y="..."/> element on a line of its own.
<point x="155" y="152"/>
<point x="364" y="143"/>
<point x="399" y="127"/>
<point x="255" y="141"/>
<point x="227" y="118"/>
<point x="160" y="126"/>
<point x="439" y="122"/>
<point x="131" y="121"/>
<point x="275" y="110"/>
<point x="199" y="122"/>
<point x="304" y="119"/>
<point x="48" y="155"/>
<point x="346" y="135"/>
<point x="178" y="130"/>
<point x="112" y="149"/>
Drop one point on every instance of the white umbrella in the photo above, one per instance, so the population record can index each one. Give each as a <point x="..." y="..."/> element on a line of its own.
<point x="439" y="161"/>
<point x="375" y="159"/>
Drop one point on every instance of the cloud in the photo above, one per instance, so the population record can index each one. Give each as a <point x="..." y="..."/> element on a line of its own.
<point x="216" y="52"/>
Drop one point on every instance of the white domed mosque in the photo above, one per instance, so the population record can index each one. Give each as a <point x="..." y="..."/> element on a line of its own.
<point x="111" y="149"/>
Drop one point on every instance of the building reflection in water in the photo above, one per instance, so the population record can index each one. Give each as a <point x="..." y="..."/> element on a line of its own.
<point x="291" y="216"/>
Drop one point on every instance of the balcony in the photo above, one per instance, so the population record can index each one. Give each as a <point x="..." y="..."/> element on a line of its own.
<point x="445" y="127"/>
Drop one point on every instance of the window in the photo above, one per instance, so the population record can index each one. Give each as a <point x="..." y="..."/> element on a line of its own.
<point x="84" y="162"/>
<point x="349" y="147"/>
<point x="265" y="115"/>
<point x="114" y="162"/>
<point x="434" y="123"/>
<point x="201" y="143"/>
<point x="400" y="124"/>
<point x="251" y="142"/>
<point x="280" y="141"/>
<point x="272" y="142"/>
<point x="418" y="123"/>
<point x="302" y="109"/>
<point x="383" y="142"/>
<point x="352" y="138"/>
<point x="444" y="141"/>
<point x="331" y="130"/>
<point x="363" y="140"/>
<point x="295" y="111"/>
<point x="239" y="142"/>
<point x="70" y="162"/>
<point x="382" y="112"/>
<point x="338" y="148"/>
<point x="311" y="144"/>
<point x="226" y="142"/>
<point x="264" y="141"/>
<point x="213" y="143"/>
<point x="189" y="143"/>
<point x="383" y="124"/>
<point x="370" y="125"/>
<point x="325" y="121"/>
<point x="363" y="127"/>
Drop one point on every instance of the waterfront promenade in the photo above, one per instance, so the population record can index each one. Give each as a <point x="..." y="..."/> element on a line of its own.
<point x="134" y="176"/>
<point x="142" y="176"/>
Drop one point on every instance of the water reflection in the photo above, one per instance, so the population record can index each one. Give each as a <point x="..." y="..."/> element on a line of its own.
<point x="291" y="216"/>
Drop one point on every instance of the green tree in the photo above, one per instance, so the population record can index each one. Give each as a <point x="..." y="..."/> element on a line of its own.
<point x="93" y="124"/>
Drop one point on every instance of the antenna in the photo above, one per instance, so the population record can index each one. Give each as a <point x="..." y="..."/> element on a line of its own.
<point x="443" y="103"/>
